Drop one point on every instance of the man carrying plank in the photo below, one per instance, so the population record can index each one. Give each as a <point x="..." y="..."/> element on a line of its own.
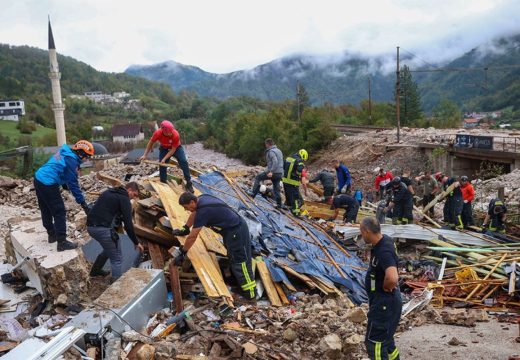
<point x="207" y="210"/>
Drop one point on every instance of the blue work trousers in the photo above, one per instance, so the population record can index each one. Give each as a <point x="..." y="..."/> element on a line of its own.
<point x="111" y="248"/>
<point x="52" y="209"/>
<point x="180" y="155"/>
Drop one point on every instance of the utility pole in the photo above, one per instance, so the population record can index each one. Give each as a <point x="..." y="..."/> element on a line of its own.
<point x="369" y="102"/>
<point x="298" y="99"/>
<point x="397" y="96"/>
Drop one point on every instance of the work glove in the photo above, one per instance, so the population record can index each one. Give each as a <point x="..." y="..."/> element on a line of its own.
<point x="86" y="208"/>
<point x="178" y="256"/>
<point x="185" y="230"/>
<point x="344" y="189"/>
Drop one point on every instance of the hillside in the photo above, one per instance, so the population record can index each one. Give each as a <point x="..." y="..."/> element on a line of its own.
<point x="343" y="79"/>
<point x="24" y="74"/>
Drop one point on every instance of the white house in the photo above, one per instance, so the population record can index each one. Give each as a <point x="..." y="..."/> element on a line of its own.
<point x="11" y="109"/>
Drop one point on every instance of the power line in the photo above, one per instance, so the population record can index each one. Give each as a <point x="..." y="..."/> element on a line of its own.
<point x="418" y="57"/>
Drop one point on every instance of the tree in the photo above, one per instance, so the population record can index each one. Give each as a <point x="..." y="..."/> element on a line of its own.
<point x="447" y="114"/>
<point x="409" y="99"/>
<point x="302" y="100"/>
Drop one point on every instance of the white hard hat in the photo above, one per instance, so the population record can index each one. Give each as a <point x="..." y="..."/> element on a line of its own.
<point x="263" y="188"/>
<point x="376" y="170"/>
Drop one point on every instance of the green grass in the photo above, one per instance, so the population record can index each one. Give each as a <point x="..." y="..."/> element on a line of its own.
<point x="8" y="128"/>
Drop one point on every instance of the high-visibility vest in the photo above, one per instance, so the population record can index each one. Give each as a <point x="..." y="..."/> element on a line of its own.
<point x="292" y="175"/>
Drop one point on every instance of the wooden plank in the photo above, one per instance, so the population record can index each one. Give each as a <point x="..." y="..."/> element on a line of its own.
<point x="215" y="262"/>
<point x="486" y="277"/>
<point x="438" y="198"/>
<point x="156" y="255"/>
<point x="281" y="293"/>
<point x="269" y="286"/>
<point x="173" y="163"/>
<point x="176" y="287"/>
<point x="315" y="189"/>
<point x="108" y="179"/>
<point x="427" y="217"/>
<point x="209" y="275"/>
<point x="155" y="237"/>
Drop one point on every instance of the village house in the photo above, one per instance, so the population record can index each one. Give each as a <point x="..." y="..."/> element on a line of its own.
<point x="127" y="133"/>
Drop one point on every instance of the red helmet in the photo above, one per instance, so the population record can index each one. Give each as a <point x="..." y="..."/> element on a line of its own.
<point x="85" y="146"/>
<point x="167" y="125"/>
<point x="439" y="176"/>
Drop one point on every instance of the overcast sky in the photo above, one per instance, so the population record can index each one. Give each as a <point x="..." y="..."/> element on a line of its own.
<point x="224" y="35"/>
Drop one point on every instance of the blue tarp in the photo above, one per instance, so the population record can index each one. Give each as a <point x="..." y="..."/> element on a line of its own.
<point x="282" y="234"/>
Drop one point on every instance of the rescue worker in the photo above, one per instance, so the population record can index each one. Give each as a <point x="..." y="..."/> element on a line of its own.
<point x="273" y="172"/>
<point x="401" y="202"/>
<point x="343" y="176"/>
<point x="405" y="178"/>
<point x="347" y="202"/>
<point x="358" y="195"/>
<point x="61" y="170"/>
<point x="170" y="145"/>
<point x="495" y="219"/>
<point x="291" y="180"/>
<point x="384" y="297"/>
<point x="453" y="204"/>
<point x="111" y="209"/>
<point x="429" y="187"/>
<point x="383" y="178"/>
<point x="468" y="195"/>
<point x="209" y="211"/>
<point x="326" y="178"/>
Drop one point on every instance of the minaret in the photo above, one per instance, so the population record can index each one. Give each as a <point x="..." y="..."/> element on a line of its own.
<point x="55" y="75"/>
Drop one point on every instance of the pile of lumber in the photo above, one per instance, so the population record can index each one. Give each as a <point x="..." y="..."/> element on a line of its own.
<point x="477" y="275"/>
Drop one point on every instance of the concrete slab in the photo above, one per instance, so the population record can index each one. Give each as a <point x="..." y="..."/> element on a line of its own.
<point x="51" y="272"/>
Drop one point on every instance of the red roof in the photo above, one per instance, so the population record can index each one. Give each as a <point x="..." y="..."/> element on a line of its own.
<point x="471" y="121"/>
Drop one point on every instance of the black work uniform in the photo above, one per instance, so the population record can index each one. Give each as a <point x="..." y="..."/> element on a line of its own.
<point x="403" y="204"/>
<point x="453" y="206"/>
<point x="216" y="214"/>
<point x="292" y="176"/>
<point x="384" y="310"/>
<point x="348" y="203"/>
<point x="327" y="180"/>
<point x="497" y="223"/>
<point x="112" y="207"/>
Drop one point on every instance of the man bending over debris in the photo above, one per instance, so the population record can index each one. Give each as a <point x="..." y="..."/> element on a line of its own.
<point x="326" y="178"/>
<point x="273" y="172"/>
<point x="207" y="210"/>
<point x="170" y="141"/>
<point x="384" y="298"/>
<point x="496" y="217"/>
<point x="112" y="207"/>
<point x="348" y="203"/>
<point x="60" y="171"/>
<point x="401" y="202"/>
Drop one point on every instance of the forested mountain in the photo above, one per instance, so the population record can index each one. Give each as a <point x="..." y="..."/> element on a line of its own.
<point x="343" y="79"/>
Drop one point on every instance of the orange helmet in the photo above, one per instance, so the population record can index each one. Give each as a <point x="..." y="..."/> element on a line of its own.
<point x="85" y="146"/>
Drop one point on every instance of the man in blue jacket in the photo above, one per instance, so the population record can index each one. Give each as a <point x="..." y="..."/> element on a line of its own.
<point x="60" y="170"/>
<point x="344" y="178"/>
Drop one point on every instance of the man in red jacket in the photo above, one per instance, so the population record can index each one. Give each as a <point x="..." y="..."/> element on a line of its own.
<point x="170" y="145"/>
<point x="383" y="178"/>
<point x="468" y="194"/>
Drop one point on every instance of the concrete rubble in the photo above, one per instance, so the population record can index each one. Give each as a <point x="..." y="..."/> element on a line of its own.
<point x="310" y="325"/>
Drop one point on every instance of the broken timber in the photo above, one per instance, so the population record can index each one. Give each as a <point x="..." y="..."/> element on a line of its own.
<point x="438" y="198"/>
<point x="209" y="275"/>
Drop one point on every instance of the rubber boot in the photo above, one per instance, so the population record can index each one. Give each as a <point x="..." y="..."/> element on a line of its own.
<point x="64" y="244"/>
<point x="97" y="267"/>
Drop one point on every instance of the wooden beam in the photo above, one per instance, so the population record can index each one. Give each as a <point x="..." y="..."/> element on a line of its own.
<point x="155" y="237"/>
<point x="281" y="293"/>
<point x="108" y="179"/>
<point x="269" y="286"/>
<point x="176" y="287"/>
<point x="156" y="256"/>
<point x="438" y="198"/>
